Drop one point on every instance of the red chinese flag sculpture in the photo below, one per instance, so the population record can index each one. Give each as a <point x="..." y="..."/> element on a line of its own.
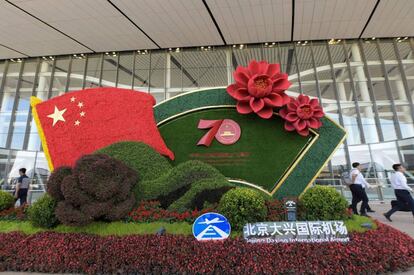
<point x="81" y="122"/>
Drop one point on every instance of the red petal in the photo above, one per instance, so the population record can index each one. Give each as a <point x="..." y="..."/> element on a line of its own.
<point x="253" y="67"/>
<point x="281" y="85"/>
<point x="238" y="93"/>
<point x="299" y="124"/>
<point x="303" y="99"/>
<point x="256" y="104"/>
<point x="304" y="132"/>
<point x="273" y="69"/>
<point x="283" y="112"/>
<point x="243" y="107"/>
<point x="318" y="114"/>
<point x="291" y="117"/>
<point x="286" y="99"/>
<point x="263" y="65"/>
<point x="241" y="75"/>
<point x="266" y="112"/>
<point x="274" y="100"/>
<point x="292" y="106"/>
<point x="314" y="102"/>
<point x="289" y="126"/>
<point x="313" y="123"/>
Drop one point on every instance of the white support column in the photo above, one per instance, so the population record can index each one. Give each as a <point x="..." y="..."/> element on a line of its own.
<point x="405" y="118"/>
<point x="168" y="76"/>
<point x="42" y="90"/>
<point x="361" y="80"/>
<point x="229" y="67"/>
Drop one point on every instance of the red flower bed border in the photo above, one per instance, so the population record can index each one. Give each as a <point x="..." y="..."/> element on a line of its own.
<point x="376" y="251"/>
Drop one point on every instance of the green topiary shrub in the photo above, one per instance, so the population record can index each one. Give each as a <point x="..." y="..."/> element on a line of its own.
<point x="243" y="205"/>
<point x="178" y="181"/>
<point x="147" y="162"/>
<point x="6" y="200"/>
<point x="42" y="212"/>
<point x="201" y="193"/>
<point x="323" y="203"/>
<point x="99" y="187"/>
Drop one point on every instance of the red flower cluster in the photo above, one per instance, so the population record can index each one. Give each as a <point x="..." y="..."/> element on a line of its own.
<point x="149" y="211"/>
<point x="376" y="251"/>
<point x="301" y="114"/>
<point x="260" y="87"/>
<point x="13" y="214"/>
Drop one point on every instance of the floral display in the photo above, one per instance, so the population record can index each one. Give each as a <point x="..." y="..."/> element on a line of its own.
<point x="301" y="114"/>
<point x="150" y="211"/>
<point x="259" y="88"/>
<point x="376" y="251"/>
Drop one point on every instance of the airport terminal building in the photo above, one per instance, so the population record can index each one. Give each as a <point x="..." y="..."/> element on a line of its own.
<point x="356" y="57"/>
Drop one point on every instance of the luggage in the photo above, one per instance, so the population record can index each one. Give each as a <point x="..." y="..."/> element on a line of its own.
<point x="404" y="207"/>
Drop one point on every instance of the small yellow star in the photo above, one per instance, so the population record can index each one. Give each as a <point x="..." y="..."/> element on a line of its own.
<point x="77" y="123"/>
<point x="72" y="99"/>
<point x="82" y="114"/>
<point x="80" y="104"/>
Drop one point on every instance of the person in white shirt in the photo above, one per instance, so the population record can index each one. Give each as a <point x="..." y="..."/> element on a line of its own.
<point x="401" y="190"/>
<point x="358" y="190"/>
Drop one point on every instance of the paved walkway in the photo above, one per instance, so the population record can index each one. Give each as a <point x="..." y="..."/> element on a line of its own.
<point x="402" y="221"/>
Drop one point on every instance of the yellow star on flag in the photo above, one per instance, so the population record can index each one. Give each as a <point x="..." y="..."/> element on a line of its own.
<point x="57" y="115"/>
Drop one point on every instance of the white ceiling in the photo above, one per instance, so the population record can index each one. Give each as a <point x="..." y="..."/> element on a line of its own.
<point x="54" y="27"/>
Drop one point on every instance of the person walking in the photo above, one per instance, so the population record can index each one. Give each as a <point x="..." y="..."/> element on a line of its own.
<point x="401" y="190"/>
<point x="357" y="186"/>
<point x="22" y="187"/>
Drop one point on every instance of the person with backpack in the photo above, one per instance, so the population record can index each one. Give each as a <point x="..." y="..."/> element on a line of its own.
<point x="22" y="187"/>
<point x="357" y="186"/>
<point x="401" y="190"/>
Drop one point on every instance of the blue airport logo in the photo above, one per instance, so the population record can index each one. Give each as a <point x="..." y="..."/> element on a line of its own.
<point x="211" y="226"/>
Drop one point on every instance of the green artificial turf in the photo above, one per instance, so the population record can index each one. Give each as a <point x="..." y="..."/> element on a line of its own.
<point x="122" y="229"/>
<point x="102" y="228"/>
<point x="261" y="156"/>
<point x="354" y="223"/>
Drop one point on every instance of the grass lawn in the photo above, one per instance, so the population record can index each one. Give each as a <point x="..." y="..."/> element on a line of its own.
<point x="121" y="228"/>
<point x="354" y="224"/>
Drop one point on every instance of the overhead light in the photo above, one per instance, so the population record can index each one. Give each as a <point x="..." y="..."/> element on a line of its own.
<point x="12" y="60"/>
<point x="334" y="41"/>
<point x="241" y="46"/>
<point x="177" y="50"/>
<point x="19" y="60"/>
<point x="274" y="43"/>
<point x="234" y="46"/>
<point x="373" y="38"/>
<point x="82" y="54"/>
<point x="266" y="44"/>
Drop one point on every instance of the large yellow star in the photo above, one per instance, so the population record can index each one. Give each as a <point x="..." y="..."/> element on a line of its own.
<point x="57" y="115"/>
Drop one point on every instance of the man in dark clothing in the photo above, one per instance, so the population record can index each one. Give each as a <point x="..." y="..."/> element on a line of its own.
<point x="22" y="187"/>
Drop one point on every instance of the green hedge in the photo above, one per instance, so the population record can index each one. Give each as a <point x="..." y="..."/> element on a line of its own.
<point x="147" y="162"/>
<point x="171" y="186"/>
<point x="202" y="192"/>
<point x="6" y="200"/>
<point x="243" y="205"/>
<point x="42" y="212"/>
<point x="323" y="203"/>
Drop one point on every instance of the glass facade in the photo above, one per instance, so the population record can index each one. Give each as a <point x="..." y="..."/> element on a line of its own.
<point x="364" y="85"/>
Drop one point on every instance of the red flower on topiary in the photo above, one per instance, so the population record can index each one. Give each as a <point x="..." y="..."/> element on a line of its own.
<point x="259" y="88"/>
<point x="301" y="114"/>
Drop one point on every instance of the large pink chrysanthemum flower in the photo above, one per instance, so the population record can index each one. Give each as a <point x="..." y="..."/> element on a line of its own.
<point x="259" y="88"/>
<point x="301" y="114"/>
